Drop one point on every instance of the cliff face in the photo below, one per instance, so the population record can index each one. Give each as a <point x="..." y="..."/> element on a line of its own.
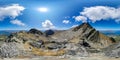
<point x="75" y="41"/>
<point x="94" y="37"/>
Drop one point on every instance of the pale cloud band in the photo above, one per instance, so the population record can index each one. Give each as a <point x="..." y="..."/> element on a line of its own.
<point x="66" y="21"/>
<point x="17" y="22"/>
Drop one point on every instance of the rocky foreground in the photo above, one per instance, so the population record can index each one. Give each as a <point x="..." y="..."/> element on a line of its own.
<point x="79" y="43"/>
<point x="73" y="58"/>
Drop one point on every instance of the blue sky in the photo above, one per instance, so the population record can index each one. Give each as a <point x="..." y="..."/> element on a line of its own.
<point x="59" y="14"/>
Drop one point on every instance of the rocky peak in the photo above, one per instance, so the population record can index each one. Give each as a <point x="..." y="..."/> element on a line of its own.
<point x="83" y="25"/>
<point x="35" y="31"/>
<point x="86" y="25"/>
<point x="49" y="32"/>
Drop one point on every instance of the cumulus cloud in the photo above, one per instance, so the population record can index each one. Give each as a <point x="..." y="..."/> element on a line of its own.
<point x="81" y="18"/>
<point x="98" y="13"/>
<point x="17" y="22"/>
<point x="66" y="21"/>
<point x="47" y="24"/>
<point x="11" y="11"/>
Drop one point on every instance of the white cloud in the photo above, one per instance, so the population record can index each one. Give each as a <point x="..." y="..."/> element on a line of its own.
<point x="66" y="21"/>
<point x="81" y="18"/>
<point x="17" y="22"/>
<point x="47" y="24"/>
<point x="67" y="17"/>
<point x="98" y="13"/>
<point x="74" y="26"/>
<point x="11" y="11"/>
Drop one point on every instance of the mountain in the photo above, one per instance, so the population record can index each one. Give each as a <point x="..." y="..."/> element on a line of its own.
<point x="4" y="33"/>
<point x="111" y="32"/>
<point x="49" y="32"/>
<point x="85" y="32"/>
<point x="8" y="32"/>
<point x="35" y="31"/>
<point x="77" y="41"/>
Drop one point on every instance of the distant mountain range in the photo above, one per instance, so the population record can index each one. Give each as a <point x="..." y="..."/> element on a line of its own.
<point x="106" y="32"/>
<point x="111" y="32"/>
<point x="8" y="32"/>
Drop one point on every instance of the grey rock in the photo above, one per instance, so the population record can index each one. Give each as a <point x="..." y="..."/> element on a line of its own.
<point x="37" y="44"/>
<point x="113" y="50"/>
<point x="9" y="50"/>
<point x="71" y="52"/>
<point x="54" y="46"/>
<point x="76" y="50"/>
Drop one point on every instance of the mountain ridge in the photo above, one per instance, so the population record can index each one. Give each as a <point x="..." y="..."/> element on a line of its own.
<point x="77" y="41"/>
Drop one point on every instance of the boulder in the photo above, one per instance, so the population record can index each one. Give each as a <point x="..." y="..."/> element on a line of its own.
<point x="37" y="44"/>
<point x="53" y="46"/>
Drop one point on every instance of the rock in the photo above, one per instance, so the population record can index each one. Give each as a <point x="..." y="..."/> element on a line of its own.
<point x="71" y="52"/>
<point x="85" y="44"/>
<point x="113" y="50"/>
<point x="35" y="31"/>
<point x="53" y="46"/>
<point x="82" y="52"/>
<point x="37" y="44"/>
<point x="113" y="53"/>
<point x="71" y="46"/>
<point x="76" y="50"/>
<point x="84" y="26"/>
<point x="8" y="50"/>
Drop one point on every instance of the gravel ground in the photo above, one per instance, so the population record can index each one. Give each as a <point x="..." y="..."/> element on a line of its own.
<point x="73" y="58"/>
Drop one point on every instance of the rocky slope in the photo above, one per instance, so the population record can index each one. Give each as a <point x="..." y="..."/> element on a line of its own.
<point x="79" y="41"/>
<point x="87" y="33"/>
<point x="113" y="50"/>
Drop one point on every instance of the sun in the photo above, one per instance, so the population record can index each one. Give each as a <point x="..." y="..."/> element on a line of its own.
<point x="42" y="9"/>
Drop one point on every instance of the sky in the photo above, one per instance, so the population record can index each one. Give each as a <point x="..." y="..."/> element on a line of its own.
<point x="59" y="14"/>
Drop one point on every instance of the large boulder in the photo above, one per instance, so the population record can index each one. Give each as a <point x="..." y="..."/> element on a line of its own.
<point x="37" y="44"/>
<point x="55" y="45"/>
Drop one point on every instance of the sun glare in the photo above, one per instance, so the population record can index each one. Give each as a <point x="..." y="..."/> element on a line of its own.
<point x="43" y="9"/>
